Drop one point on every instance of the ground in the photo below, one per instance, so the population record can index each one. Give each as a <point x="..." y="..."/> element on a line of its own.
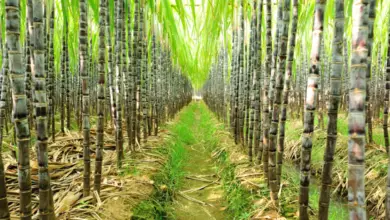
<point x="193" y="170"/>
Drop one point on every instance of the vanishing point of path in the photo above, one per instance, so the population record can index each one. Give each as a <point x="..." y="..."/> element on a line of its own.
<point x="200" y="195"/>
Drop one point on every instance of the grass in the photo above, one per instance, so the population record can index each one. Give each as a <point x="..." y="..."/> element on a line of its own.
<point x="342" y="127"/>
<point x="337" y="210"/>
<point x="376" y="161"/>
<point x="166" y="183"/>
<point x="294" y="131"/>
<point x="239" y="201"/>
<point x="169" y="180"/>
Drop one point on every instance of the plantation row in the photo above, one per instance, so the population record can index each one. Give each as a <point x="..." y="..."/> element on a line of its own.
<point x="133" y="81"/>
<point x="267" y="76"/>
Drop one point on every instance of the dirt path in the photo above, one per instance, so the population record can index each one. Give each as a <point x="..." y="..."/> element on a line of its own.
<point x="201" y="195"/>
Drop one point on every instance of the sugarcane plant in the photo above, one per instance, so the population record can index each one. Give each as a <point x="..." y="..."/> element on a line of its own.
<point x="333" y="107"/>
<point x="85" y="96"/>
<point x="357" y="114"/>
<point x="46" y="204"/>
<point x="310" y="108"/>
<point x="95" y="69"/>
<point x="100" y="95"/>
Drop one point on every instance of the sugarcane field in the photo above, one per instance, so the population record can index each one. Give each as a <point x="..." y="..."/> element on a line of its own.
<point x="194" y="109"/>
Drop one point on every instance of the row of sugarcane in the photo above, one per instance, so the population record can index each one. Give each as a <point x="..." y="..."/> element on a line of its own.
<point x="260" y="90"/>
<point x="144" y="90"/>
